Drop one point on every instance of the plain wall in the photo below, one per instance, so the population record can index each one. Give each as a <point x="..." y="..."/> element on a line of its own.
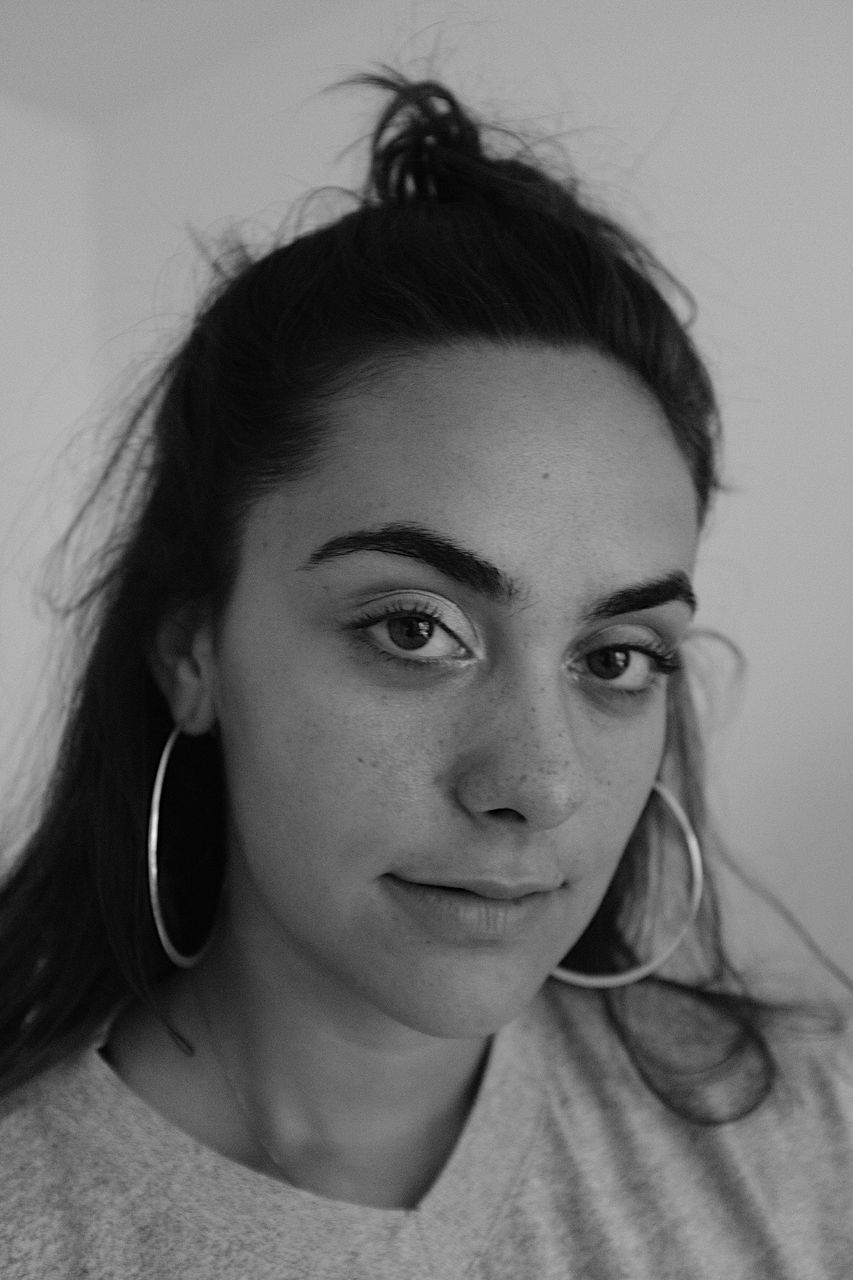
<point x="721" y="133"/>
<point x="47" y="385"/>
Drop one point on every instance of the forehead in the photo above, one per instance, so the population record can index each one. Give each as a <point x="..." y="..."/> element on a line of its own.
<point x="526" y="455"/>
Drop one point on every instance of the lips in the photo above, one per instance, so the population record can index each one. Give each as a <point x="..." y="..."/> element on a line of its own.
<point x="474" y="912"/>
<point x="499" y="890"/>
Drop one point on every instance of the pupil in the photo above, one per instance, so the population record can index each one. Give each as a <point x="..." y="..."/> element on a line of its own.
<point x="607" y="664"/>
<point x="410" y="633"/>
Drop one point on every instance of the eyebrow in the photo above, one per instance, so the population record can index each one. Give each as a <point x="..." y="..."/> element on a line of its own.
<point x="470" y="570"/>
<point x="645" y="595"/>
<point x="418" y="543"/>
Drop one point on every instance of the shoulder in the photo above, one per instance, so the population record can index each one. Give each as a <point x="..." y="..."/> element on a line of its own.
<point x="813" y="1055"/>
<point x="776" y="1101"/>
<point x="96" y="1181"/>
<point x="80" y="1174"/>
<point x="766" y="1193"/>
<point x="38" y="1164"/>
<point x="34" y="1119"/>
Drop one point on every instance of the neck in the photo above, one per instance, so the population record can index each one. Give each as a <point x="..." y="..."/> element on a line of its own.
<point x="348" y="1105"/>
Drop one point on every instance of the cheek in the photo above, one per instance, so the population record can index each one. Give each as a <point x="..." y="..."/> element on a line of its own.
<point x="628" y="752"/>
<point x="313" y="761"/>
<point x="623" y="763"/>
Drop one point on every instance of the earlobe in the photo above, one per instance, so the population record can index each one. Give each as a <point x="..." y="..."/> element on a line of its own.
<point x="183" y="665"/>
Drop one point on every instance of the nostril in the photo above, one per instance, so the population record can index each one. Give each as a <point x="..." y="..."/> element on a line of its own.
<point x="507" y="815"/>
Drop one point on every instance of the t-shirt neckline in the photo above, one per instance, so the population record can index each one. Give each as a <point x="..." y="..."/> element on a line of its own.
<point x="443" y="1233"/>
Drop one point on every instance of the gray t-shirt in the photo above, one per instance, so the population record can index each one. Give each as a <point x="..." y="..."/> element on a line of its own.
<point x="568" y="1167"/>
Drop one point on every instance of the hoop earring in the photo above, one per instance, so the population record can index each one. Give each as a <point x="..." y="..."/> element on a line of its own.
<point x="183" y="959"/>
<point x="694" y="853"/>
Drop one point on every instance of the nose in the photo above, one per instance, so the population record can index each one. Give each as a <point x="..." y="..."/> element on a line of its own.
<point x="524" y="764"/>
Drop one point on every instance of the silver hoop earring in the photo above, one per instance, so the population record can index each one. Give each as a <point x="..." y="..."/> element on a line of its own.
<point x="694" y="853"/>
<point x="186" y="958"/>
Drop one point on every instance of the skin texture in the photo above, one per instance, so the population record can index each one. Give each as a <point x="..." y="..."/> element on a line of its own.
<point x="499" y="751"/>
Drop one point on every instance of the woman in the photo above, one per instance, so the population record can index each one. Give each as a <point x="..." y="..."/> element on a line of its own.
<point x="383" y="752"/>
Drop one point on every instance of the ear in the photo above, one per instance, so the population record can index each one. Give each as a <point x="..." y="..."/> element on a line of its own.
<point x="183" y="664"/>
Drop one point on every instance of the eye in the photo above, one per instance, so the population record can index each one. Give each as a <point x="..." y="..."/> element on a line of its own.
<point x="629" y="668"/>
<point x="410" y="632"/>
<point x="415" y="633"/>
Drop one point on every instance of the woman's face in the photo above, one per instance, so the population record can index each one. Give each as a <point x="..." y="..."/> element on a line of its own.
<point x="440" y="681"/>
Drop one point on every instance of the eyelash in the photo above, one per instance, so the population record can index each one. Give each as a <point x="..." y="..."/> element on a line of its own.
<point x="665" y="661"/>
<point x="423" y="609"/>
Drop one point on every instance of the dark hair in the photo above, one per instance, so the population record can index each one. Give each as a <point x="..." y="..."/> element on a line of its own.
<point x="451" y="240"/>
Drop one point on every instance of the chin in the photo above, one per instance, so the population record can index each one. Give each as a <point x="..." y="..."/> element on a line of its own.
<point x="462" y="1009"/>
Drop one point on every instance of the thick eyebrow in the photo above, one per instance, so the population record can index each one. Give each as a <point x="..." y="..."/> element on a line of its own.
<point x="470" y="570"/>
<point x="417" y="543"/>
<point x="645" y="595"/>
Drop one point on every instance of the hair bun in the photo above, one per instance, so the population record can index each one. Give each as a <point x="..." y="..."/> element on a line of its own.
<point x="425" y="147"/>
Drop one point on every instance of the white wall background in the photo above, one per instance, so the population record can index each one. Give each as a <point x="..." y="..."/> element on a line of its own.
<point x="720" y="130"/>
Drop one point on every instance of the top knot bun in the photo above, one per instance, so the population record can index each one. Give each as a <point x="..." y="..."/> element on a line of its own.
<point x="425" y="147"/>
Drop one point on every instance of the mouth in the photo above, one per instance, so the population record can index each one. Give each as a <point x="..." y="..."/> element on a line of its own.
<point x="470" y="912"/>
<point x="495" y="890"/>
